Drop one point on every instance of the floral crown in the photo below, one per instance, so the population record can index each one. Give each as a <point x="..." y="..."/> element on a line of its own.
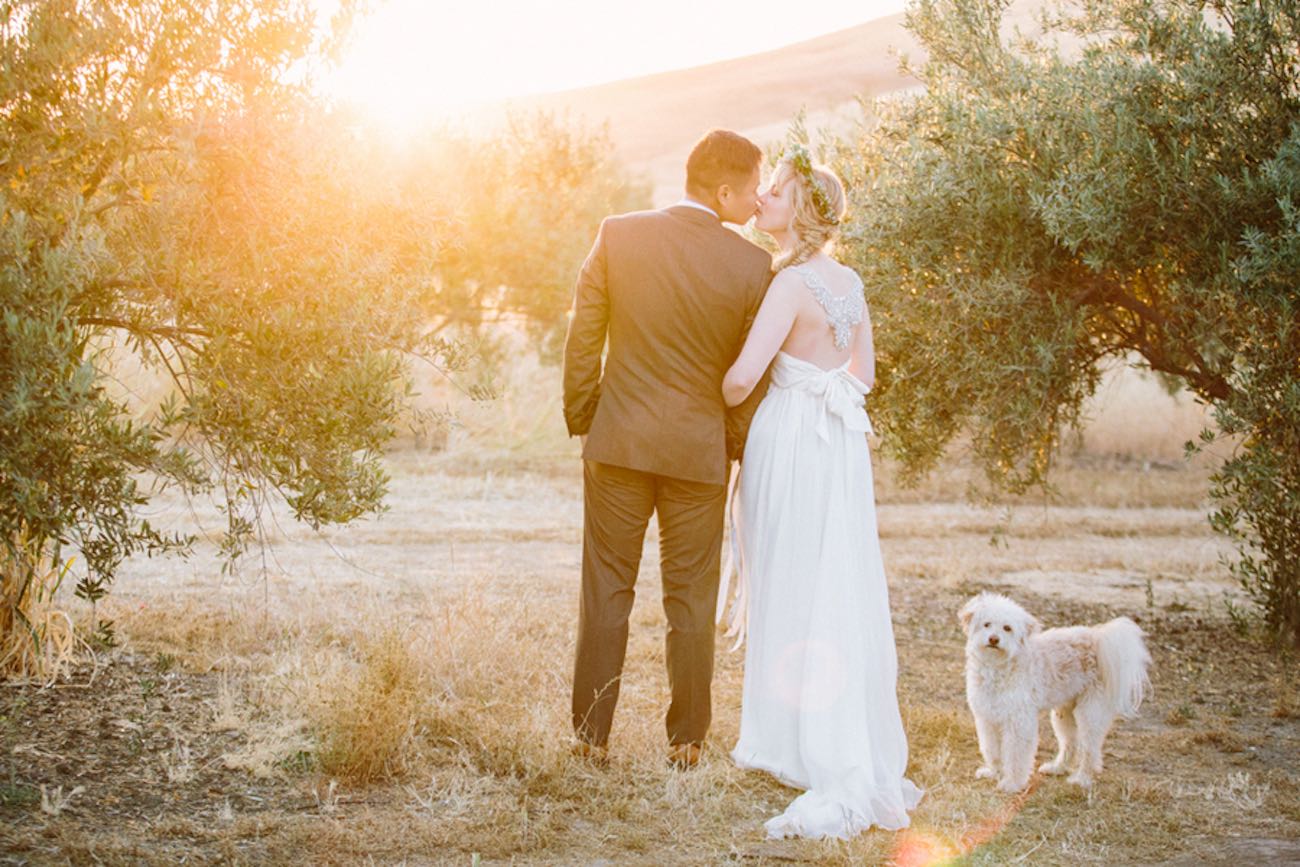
<point x="796" y="154"/>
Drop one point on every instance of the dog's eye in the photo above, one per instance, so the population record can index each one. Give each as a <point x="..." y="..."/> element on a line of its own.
<point x="986" y="626"/>
<point x="1006" y="629"/>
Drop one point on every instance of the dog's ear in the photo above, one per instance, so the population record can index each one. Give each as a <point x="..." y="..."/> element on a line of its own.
<point x="966" y="613"/>
<point x="1033" y="625"/>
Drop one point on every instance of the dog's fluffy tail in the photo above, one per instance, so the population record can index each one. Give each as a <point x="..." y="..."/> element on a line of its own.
<point x="1123" y="657"/>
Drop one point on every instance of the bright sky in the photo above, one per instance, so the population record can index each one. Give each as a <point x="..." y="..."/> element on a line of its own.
<point x="412" y="59"/>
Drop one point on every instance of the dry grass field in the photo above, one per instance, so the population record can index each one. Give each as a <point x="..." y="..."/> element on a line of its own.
<point x="396" y="692"/>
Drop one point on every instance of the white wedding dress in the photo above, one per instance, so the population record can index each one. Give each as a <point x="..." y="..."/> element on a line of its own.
<point x="820" y="709"/>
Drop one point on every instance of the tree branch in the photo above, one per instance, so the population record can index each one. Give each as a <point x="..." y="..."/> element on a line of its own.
<point x="162" y="354"/>
<point x="1150" y="336"/>
<point x="1198" y="374"/>
<point x="176" y="333"/>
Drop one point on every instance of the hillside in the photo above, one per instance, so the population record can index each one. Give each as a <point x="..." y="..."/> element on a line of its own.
<point x="654" y="119"/>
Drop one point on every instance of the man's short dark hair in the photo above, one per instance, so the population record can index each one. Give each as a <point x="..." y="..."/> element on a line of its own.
<point x="720" y="157"/>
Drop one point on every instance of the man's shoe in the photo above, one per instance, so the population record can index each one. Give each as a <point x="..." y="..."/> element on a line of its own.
<point x="597" y="755"/>
<point x="683" y="757"/>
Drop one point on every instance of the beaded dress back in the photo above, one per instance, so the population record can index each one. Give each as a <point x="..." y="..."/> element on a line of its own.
<point x="843" y="312"/>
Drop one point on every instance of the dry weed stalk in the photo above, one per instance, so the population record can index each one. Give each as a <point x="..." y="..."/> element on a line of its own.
<point x="329" y="804"/>
<point x="226" y="813"/>
<point x="178" y="766"/>
<point x="269" y="745"/>
<point x="37" y="639"/>
<point x="227" y="715"/>
<point x="54" y="801"/>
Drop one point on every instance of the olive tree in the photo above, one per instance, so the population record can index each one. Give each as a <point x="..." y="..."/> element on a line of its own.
<point x="1127" y="183"/>
<point x="170" y="184"/>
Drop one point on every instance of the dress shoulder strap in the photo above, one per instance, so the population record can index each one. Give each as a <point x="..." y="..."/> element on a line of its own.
<point x="843" y="312"/>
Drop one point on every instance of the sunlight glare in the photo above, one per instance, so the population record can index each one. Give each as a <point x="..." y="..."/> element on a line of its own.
<point x="416" y="60"/>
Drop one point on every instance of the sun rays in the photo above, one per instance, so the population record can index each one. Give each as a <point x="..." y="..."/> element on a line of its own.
<point x="414" y="60"/>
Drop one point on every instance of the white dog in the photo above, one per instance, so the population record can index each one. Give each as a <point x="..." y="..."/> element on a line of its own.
<point x="1087" y="675"/>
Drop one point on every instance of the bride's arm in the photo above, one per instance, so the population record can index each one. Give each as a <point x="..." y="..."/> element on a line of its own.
<point x="775" y="318"/>
<point x="863" y="360"/>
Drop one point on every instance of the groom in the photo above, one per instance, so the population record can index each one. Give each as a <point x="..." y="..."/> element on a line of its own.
<point x="673" y="293"/>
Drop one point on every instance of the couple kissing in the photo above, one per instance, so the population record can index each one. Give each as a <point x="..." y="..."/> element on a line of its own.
<point x="690" y="347"/>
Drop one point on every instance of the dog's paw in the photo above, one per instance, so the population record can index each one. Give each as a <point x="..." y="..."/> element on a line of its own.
<point x="1011" y="786"/>
<point x="1054" y="768"/>
<point x="985" y="773"/>
<point x="1079" y="779"/>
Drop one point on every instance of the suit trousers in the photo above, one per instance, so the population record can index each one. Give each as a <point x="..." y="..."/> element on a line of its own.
<point x="617" y="505"/>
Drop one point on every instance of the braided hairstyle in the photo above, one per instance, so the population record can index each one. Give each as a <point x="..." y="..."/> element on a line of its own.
<point x="815" y="224"/>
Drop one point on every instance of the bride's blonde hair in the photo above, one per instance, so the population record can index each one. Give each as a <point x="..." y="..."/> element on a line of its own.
<point x="816" y="215"/>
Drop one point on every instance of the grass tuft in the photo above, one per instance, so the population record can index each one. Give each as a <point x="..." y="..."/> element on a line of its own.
<point x="38" y="640"/>
<point x="368" y="714"/>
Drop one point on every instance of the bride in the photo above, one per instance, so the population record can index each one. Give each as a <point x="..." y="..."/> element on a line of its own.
<point x="820" y="710"/>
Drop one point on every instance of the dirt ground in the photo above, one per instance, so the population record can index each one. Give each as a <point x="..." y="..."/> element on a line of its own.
<point x="218" y="730"/>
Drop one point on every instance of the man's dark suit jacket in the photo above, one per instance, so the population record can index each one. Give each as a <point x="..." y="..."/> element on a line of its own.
<point x="675" y="292"/>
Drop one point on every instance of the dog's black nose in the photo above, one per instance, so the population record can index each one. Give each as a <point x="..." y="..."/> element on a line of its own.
<point x="993" y="640"/>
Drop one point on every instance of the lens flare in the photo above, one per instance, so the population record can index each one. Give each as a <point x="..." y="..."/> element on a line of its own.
<point x="918" y="847"/>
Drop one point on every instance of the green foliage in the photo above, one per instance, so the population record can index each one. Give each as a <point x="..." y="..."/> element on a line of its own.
<point x="528" y="203"/>
<point x="90" y="90"/>
<point x="169" y="185"/>
<point x="1127" y="185"/>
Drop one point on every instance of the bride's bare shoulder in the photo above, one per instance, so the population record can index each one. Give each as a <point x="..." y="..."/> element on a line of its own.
<point x="847" y="279"/>
<point x="830" y="273"/>
<point x="789" y="279"/>
<point x="846" y="270"/>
